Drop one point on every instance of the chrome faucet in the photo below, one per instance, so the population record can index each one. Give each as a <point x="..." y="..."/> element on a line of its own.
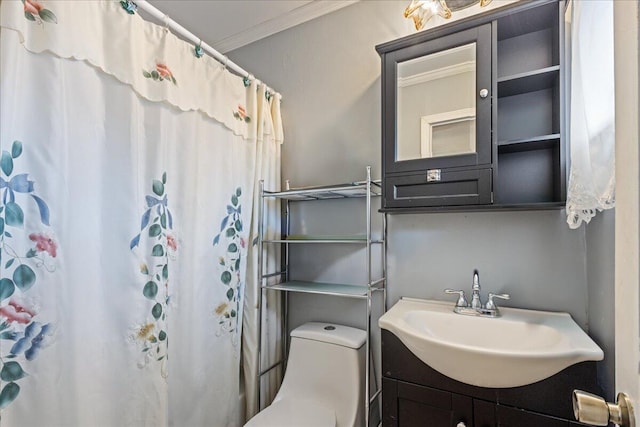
<point x="476" y="308"/>
<point x="476" y="303"/>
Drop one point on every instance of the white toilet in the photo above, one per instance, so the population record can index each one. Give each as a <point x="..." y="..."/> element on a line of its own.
<point x="324" y="382"/>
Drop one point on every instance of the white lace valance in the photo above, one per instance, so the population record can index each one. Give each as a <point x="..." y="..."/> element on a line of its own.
<point x="592" y="134"/>
<point x="156" y="64"/>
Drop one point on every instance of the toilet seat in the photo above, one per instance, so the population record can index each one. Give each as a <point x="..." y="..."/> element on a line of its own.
<point x="294" y="413"/>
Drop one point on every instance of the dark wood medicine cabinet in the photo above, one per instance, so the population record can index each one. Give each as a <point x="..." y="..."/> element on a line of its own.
<point x="472" y="113"/>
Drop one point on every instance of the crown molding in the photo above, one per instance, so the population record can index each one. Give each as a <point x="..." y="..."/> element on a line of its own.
<point x="440" y="73"/>
<point x="309" y="11"/>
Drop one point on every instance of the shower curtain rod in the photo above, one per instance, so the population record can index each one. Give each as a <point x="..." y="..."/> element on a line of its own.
<point x="173" y="25"/>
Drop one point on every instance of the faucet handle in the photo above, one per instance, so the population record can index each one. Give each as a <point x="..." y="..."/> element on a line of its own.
<point x="492" y="305"/>
<point x="462" y="301"/>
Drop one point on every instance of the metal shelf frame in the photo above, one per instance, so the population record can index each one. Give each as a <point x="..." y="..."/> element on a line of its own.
<point x="361" y="189"/>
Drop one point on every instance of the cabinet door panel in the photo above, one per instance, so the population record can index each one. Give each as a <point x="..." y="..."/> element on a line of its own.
<point x="510" y="417"/>
<point x="481" y="36"/>
<point x="484" y="413"/>
<point x="423" y="406"/>
<point x="462" y="410"/>
<point x="426" y="406"/>
<point x="414" y="414"/>
<point x="427" y="395"/>
<point x="389" y="402"/>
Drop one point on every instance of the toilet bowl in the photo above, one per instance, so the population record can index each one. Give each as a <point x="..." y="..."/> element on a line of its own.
<point x="323" y="385"/>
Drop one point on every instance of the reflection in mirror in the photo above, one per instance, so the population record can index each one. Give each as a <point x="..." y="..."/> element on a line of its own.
<point x="436" y="104"/>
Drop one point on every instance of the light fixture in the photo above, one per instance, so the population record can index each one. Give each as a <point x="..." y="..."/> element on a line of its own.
<point x="423" y="10"/>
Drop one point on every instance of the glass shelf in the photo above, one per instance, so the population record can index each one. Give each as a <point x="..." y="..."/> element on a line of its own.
<point x="299" y="238"/>
<point x="350" y="291"/>
<point x="342" y="191"/>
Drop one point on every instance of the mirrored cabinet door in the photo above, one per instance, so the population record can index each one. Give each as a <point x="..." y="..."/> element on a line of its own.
<point x="437" y="103"/>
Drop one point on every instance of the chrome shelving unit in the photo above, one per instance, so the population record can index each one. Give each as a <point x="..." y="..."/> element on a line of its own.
<point x="363" y="189"/>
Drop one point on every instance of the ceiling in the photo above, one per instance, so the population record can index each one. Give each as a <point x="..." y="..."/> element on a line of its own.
<point x="229" y="24"/>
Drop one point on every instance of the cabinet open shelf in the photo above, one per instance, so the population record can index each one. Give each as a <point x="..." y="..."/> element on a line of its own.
<point x="529" y="81"/>
<point x="530" y="176"/>
<point x="530" y="168"/>
<point x="530" y="19"/>
<point x="526" y="144"/>
<point x="528" y="116"/>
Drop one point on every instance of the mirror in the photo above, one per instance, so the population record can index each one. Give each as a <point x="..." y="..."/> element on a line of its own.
<point x="436" y="104"/>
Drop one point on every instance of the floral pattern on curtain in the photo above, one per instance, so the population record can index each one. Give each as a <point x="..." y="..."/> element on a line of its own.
<point x="232" y="235"/>
<point x="156" y="225"/>
<point x="35" y="12"/>
<point x="144" y="159"/>
<point x="21" y="327"/>
<point x="157" y="65"/>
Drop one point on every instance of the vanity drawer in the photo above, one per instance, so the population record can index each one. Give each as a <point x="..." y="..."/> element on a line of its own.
<point x="439" y="188"/>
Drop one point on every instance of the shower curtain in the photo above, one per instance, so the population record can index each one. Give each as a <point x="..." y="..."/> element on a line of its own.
<point x="127" y="182"/>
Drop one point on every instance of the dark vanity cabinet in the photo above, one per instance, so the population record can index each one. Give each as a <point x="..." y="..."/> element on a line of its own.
<point x="472" y="113"/>
<point x="415" y="395"/>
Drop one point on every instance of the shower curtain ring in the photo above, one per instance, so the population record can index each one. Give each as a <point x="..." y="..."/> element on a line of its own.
<point x="166" y="23"/>
<point x="224" y="64"/>
<point x="198" y="49"/>
<point x="129" y="6"/>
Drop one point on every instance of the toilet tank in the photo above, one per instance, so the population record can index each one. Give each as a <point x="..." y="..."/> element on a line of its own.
<point x="327" y="364"/>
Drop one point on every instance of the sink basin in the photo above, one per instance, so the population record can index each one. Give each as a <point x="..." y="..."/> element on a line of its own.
<point x="521" y="347"/>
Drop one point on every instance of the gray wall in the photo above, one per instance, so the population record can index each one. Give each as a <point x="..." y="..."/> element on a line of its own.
<point x="601" y="275"/>
<point x="329" y="75"/>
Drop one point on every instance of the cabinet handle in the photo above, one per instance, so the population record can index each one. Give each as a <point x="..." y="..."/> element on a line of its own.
<point x="434" y="175"/>
<point x="484" y="93"/>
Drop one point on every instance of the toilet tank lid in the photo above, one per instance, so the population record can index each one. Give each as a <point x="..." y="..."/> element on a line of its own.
<point x="331" y="333"/>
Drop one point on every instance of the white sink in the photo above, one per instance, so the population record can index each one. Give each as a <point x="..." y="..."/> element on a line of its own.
<point x="521" y="347"/>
